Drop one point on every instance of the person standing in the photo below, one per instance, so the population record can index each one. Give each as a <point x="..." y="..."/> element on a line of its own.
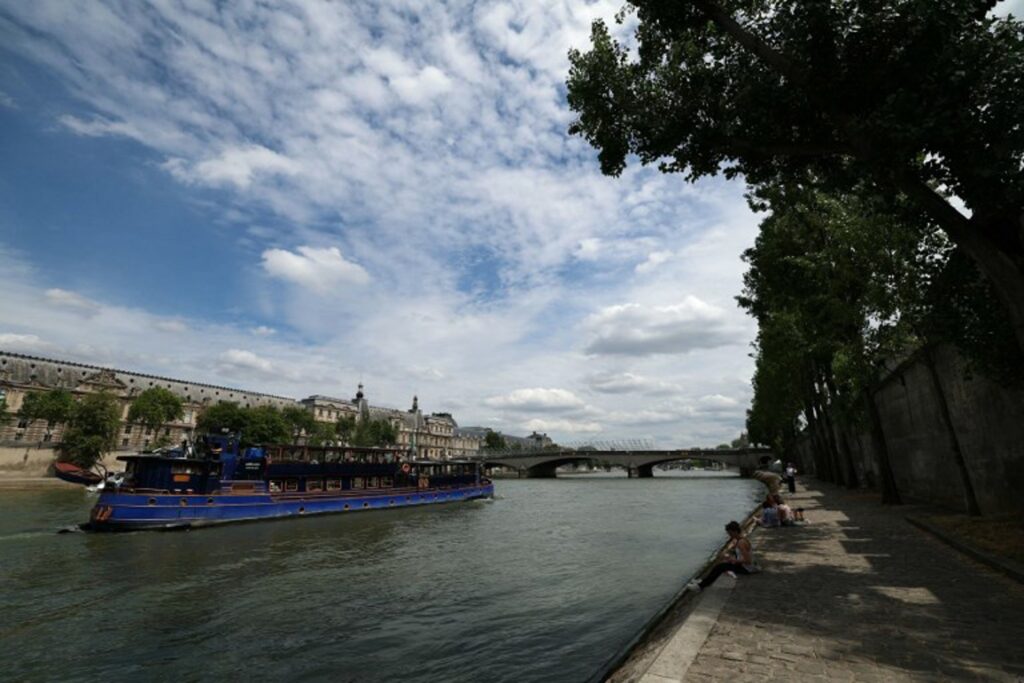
<point x="791" y="477"/>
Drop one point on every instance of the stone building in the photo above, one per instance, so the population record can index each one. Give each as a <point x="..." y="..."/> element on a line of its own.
<point x="431" y="436"/>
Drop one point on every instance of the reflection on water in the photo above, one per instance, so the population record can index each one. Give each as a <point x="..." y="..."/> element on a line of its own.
<point x="543" y="583"/>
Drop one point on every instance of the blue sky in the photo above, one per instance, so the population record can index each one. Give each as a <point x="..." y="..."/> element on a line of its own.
<point x="296" y="196"/>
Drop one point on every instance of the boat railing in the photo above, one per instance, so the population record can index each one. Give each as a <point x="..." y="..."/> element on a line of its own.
<point x="304" y="453"/>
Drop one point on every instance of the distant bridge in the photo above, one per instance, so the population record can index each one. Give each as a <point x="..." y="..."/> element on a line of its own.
<point x="639" y="463"/>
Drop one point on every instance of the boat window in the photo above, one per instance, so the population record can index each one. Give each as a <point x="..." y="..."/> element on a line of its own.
<point x="178" y="468"/>
<point x="314" y="484"/>
<point x="358" y="483"/>
<point x="386" y="482"/>
<point x="291" y="484"/>
<point x="372" y="482"/>
<point x="333" y="484"/>
<point x="275" y="485"/>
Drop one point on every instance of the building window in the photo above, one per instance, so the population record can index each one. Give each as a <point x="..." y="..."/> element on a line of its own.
<point x="127" y="429"/>
<point x="17" y="437"/>
<point x="22" y="424"/>
<point x="47" y="437"/>
<point x="149" y="430"/>
<point x="167" y="431"/>
<point x="145" y="444"/>
<point x="124" y="442"/>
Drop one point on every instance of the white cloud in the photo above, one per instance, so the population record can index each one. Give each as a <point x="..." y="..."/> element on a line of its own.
<point x="537" y="400"/>
<point x="173" y="326"/>
<point x="318" y="269"/>
<point x="563" y="426"/>
<point x="637" y="330"/>
<point x="627" y="382"/>
<point x="654" y="259"/>
<point x="717" y="403"/>
<point x="7" y="101"/>
<point x="98" y="127"/>
<point x="433" y="153"/>
<point x="234" y="360"/>
<point x="237" y="166"/>
<point x="25" y="343"/>
<point x="71" y="300"/>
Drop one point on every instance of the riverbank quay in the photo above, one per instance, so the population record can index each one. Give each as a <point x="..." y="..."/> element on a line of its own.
<point x="860" y="594"/>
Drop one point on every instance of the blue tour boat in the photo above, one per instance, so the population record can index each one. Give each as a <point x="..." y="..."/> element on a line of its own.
<point x="223" y="482"/>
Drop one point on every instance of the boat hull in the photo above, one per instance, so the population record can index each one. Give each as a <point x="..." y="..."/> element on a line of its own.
<point x="75" y="475"/>
<point x="131" y="511"/>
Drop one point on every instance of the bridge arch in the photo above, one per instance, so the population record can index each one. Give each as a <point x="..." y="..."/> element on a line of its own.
<point x="543" y="464"/>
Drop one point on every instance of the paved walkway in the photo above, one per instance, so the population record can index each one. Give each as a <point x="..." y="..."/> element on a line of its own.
<point x="858" y="595"/>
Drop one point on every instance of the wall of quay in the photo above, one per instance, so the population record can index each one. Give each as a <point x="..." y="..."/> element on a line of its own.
<point x="987" y="420"/>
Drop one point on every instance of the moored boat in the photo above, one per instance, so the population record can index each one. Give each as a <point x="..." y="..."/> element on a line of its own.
<point x="75" y="474"/>
<point x="224" y="483"/>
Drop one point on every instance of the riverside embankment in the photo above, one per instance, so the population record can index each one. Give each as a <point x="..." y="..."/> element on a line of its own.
<point x="858" y="595"/>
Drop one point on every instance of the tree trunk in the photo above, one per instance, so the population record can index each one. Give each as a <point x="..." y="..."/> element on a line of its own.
<point x="830" y="439"/>
<point x="849" y="471"/>
<point x="1003" y="269"/>
<point x="818" y="452"/>
<point x="970" y="500"/>
<point x="890" y="493"/>
<point x="852" y="480"/>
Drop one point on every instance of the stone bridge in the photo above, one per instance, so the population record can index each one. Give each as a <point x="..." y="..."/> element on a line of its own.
<point x="542" y="464"/>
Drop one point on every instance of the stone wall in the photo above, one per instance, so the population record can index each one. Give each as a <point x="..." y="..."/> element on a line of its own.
<point x="988" y="421"/>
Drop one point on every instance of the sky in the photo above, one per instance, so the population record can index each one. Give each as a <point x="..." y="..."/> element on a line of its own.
<point x="298" y="196"/>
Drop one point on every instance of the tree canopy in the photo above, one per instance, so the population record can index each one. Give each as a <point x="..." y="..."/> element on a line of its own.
<point x="366" y="433"/>
<point x="56" y="407"/>
<point x="494" y="441"/>
<point x="92" y="429"/>
<point x="923" y="100"/>
<point x="155" y="407"/>
<point x="257" y="425"/>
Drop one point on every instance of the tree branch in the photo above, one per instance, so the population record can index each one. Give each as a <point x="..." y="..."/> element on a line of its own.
<point x="775" y="59"/>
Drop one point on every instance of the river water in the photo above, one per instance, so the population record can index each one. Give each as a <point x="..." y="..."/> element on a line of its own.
<point x="544" y="583"/>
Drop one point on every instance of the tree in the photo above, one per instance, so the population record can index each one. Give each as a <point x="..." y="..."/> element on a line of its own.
<point x="154" y="408"/>
<point x="92" y="430"/>
<point x="300" y="420"/>
<point x="5" y="417"/>
<point x="218" y="416"/>
<point x="321" y="434"/>
<point x="345" y="427"/>
<point x="740" y="442"/>
<point x="265" y="425"/>
<point x="369" y="433"/>
<point x="56" y="407"/>
<point x="259" y="425"/>
<point x="494" y="441"/>
<point x="919" y="99"/>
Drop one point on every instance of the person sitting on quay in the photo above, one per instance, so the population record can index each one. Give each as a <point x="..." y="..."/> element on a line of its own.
<point x="738" y="558"/>
<point x="786" y="514"/>
<point x="769" y="514"/>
